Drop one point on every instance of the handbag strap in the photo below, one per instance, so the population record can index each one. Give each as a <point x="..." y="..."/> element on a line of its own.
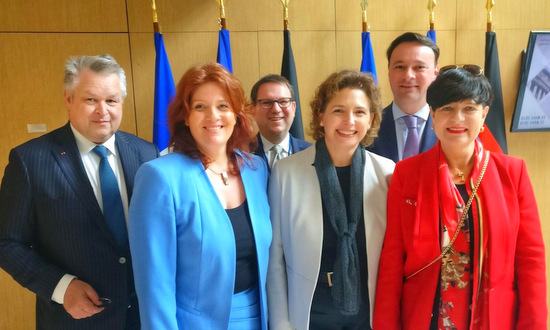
<point x="461" y="222"/>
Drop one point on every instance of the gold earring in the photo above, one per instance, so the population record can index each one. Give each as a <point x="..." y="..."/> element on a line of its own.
<point x="321" y="124"/>
<point x="481" y="129"/>
<point x="432" y="127"/>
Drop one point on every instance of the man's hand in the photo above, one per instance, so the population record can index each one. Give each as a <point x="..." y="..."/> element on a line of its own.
<point x="81" y="300"/>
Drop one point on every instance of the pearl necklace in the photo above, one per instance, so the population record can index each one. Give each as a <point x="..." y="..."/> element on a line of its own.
<point x="222" y="174"/>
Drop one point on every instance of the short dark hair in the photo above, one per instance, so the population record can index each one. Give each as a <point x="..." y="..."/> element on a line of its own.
<point x="274" y="78"/>
<point x="334" y="83"/>
<point x="413" y="37"/>
<point x="458" y="85"/>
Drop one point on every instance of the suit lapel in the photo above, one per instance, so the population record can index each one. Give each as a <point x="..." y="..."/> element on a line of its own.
<point x="67" y="156"/>
<point x="428" y="137"/>
<point x="130" y="159"/>
<point x="387" y="141"/>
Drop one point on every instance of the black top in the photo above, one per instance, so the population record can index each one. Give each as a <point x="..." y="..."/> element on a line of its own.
<point x="246" y="270"/>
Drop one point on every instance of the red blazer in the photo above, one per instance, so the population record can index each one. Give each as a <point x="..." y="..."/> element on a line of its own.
<point x="513" y="237"/>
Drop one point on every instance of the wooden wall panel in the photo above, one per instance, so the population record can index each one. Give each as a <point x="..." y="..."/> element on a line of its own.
<point x="270" y="52"/>
<point x="192" y="15"/>
<point x="63" y="16"/>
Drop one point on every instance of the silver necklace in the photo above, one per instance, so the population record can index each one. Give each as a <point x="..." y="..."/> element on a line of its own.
<point x="222" y="174"/>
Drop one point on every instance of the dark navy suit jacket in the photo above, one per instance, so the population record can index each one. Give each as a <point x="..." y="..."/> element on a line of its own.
<point x="51" y="224"/>
<point x="385" y="144"/>
<point x="296" y="145"/>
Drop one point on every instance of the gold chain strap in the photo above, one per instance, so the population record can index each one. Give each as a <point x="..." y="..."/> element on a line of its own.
<point x="461" y="223"/>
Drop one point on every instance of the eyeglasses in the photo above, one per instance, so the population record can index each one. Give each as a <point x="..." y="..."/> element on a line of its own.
<point x="472" y="68"/>
<point x="267" y="104"/>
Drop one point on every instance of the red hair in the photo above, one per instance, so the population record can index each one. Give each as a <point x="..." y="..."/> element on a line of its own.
<point x="244" y="132"/>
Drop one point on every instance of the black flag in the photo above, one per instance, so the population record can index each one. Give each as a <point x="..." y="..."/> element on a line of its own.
<point x="288" y="70"/>
<point x="495" y="117"/>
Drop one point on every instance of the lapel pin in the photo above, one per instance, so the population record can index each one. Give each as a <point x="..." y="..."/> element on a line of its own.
<point x="62" y="153"/>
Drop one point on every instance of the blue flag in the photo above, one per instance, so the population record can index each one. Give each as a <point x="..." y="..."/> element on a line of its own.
<point x="367" y="63"/>
<point x="164" y="92"/>
<point x="431" y="35"/>
<point x="288" y="70"/>
<point x="224" y="50"/>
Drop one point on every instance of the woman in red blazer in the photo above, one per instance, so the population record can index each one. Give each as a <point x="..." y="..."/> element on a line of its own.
<point x="463" y="246"/>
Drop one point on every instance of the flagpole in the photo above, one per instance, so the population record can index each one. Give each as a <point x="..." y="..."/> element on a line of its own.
<point x="431" y="8"/>
<point x="489" y="6"/>
<point x="224" y="43"/>
<point x="366" y="26"/>
<point x="222" y="15"/>
<point x="156" y="26"/>
<point x="288" y="70"/>
<point x="285" y="14"/>
<point x="165" y="89"/>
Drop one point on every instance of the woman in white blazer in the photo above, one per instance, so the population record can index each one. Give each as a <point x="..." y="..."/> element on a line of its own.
<point x="328" y="210"/>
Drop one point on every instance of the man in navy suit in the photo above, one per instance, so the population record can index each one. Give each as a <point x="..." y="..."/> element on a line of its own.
<point x="412" y="67"/>
<point x="54" y="239"/>
<point x="275" y="108"/>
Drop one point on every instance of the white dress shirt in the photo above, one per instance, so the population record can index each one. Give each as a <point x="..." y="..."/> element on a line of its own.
<point x="285" y="145"/>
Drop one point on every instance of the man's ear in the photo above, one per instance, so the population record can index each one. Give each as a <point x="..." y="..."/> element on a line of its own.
<point x="68" y="98"/>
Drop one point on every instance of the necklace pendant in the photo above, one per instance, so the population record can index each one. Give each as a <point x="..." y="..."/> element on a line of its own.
<point x="225" y="178"/>
<point x="461" y="175"/>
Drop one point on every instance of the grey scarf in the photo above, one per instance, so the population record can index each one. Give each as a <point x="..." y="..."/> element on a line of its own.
<point x="346" y="279"/>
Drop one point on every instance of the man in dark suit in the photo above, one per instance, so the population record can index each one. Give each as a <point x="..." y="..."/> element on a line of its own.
<point x="54" y="238"/>
<point x="275" y="108"/>
<point x="412" y="67"/>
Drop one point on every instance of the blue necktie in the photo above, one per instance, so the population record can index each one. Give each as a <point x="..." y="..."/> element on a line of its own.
<point x="112" y="203"/>
<point x="412" y="143"/>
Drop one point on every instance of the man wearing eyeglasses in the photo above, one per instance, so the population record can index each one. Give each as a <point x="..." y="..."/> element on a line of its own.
<point x="273" y="99"/>
<point x="405" y="127"/>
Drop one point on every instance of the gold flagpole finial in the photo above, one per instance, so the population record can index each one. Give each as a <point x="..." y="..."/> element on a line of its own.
<point x="156" y="26"/>
<point x="431" y="9"/>
<point x="489" y="6"/>
<point x="222" y="9"/>
<point x="285" y="13"/>
<point x="221" y="20"/>
<point x="364" y="5"/>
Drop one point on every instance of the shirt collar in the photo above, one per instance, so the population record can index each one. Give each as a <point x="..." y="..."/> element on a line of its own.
<point x="423" y="113"/>
<point x="268" y="145"/>
<point x="85" y="146"/>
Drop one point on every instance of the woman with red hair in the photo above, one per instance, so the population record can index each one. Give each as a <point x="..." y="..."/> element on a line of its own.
<point x="199" y="218"/>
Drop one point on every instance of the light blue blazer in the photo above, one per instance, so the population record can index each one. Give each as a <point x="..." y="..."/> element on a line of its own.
<point x="183" y="245"/>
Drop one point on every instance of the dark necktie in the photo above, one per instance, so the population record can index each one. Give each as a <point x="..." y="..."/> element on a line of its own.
<point x="112" y="203"/>
<point x="412" y="144"/>
<point x="276" y="154"/>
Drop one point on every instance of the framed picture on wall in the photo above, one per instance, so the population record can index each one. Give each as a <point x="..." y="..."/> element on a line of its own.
<point x="532" y="112"/>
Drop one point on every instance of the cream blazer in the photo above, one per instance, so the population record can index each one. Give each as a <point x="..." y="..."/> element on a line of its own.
<point x="297" y="218"/>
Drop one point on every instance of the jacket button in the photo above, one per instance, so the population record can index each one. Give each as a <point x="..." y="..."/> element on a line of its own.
<point x="122" y="260"/>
